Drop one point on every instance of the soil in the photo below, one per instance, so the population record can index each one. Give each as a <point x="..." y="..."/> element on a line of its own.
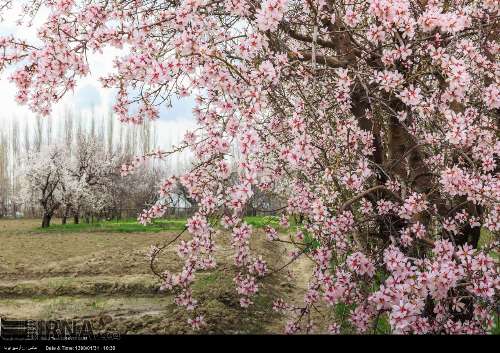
<point x="105" y="277"/>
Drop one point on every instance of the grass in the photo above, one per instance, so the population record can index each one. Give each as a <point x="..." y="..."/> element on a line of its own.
<point x="122" y="226"/>
<point x="132" y="226"/>
<point x="262" y="221"/>
<point x="486" y="238"/>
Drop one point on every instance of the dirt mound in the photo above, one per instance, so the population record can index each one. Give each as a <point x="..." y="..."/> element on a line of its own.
<point x="80" y="286"/>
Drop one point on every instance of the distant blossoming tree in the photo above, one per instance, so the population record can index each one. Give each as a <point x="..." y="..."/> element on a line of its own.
<point x="377" y="119"/>
<point x="43" y="181"/>
<point x="73" y="183"/>
<point x="93" y="171"/>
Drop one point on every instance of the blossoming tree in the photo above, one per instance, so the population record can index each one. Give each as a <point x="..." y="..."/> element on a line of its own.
<point x="82" y="182"/>
<point x="44" y="179"/>
<point x="93" y="172"/>
<point x="377" y="119"/>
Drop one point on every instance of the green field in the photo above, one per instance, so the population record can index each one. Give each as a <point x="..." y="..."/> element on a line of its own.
<point x="132" y="226"/>
<point x="123" y="226"/>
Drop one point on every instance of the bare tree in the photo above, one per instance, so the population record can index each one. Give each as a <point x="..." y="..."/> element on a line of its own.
<point x="4" y="174"/>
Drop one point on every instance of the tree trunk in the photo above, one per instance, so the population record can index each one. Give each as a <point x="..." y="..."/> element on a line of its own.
<point x="76" y="219"/>
<point x="46" y="220"/>
<point x="66" y="212"/>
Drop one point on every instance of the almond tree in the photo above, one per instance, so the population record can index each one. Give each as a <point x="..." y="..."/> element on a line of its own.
<point x="377" y="119"/>
<point x="74" y="184"/>
<point x="44" y="179"/>
<point x="93" y="170"/>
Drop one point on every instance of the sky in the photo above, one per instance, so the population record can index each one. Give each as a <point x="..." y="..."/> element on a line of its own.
<point x="88" y="95"/>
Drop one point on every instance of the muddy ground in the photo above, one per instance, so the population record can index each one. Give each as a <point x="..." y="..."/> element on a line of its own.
<point x="105" y="277"/>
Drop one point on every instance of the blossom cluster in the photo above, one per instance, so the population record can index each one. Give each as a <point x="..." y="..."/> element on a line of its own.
<point x="375" y="122"/>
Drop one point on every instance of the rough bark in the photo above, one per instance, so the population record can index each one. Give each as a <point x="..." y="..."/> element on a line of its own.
<point x="46" y="220"/>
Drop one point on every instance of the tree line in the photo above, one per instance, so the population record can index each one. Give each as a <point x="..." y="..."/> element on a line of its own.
<point x="68" y="166"/>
